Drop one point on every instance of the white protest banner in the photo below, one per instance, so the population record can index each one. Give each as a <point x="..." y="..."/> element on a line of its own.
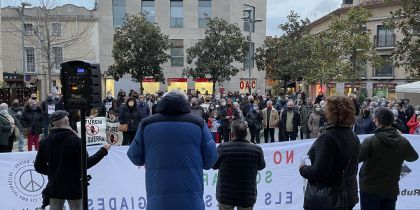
<point x="114" y="136"/>
<point x="119" y="185"/>
<point x="95" y="130"/>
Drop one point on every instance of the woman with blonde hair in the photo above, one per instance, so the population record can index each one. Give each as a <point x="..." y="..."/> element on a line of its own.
<point x="333" y="158"/>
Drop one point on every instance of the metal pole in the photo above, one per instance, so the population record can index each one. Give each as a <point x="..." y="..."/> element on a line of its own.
<point x="22" y="19"/>
<point x="249" y="53"/>
<point x="84" y="181"/>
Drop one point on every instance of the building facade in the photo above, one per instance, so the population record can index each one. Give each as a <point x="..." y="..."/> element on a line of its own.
<point x="185" y="23"/>
<point x="1" y="55"/>
<point x="376" y="82"/>
<point x="71" y="33"/>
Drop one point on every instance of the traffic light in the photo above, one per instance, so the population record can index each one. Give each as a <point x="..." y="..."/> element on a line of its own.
<point x="81" y="84"/>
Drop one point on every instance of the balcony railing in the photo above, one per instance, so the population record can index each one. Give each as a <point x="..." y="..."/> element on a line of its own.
<point x="384" y="41"/>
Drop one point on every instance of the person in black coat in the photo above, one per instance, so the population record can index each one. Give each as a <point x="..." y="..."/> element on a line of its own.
<point x="59" y="158"/>
<point x="335" y="151"/>
<point x="238" y="163"/>
<point x="254" y="119"/>
<point x="130" y="116"/>
<point x="289" y="134"/>
<point x="31" y="122"/>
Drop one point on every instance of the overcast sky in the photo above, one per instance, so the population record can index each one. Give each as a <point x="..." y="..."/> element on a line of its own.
<point x="277" y="10"/>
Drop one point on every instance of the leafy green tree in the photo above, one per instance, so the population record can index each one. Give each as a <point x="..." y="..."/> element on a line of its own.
<point x="407" y="52"/>
<point x="140" y="48"/>
<point x="343" y="51"/>
<point x="285" y="58"/>
<point x="213" y="57"/>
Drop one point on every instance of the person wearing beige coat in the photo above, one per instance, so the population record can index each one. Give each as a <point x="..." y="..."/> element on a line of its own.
<point x="270" y="121"/>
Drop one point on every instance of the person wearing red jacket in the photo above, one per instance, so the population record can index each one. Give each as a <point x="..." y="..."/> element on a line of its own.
<point x="414" y="124"/>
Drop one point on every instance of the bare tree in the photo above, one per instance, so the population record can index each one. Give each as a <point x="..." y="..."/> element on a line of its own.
<point x="53" y="26"/>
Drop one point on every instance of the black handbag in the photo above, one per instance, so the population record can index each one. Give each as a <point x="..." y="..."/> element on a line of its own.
<point x="327" y="198"/>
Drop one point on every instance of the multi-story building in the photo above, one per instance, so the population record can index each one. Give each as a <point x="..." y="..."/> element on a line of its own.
<point x="72" y="33"/>
<point x="185" y="23"/>
<point x="376" y="82"/>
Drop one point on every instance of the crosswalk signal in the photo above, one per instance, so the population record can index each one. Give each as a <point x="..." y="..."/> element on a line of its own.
<point x="81" y="84"/>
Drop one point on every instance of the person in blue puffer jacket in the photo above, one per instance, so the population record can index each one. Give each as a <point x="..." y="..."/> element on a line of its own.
<point x="174" y="146"/>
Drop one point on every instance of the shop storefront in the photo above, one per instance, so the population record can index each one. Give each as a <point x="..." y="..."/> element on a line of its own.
<point x="358" y="89"/>
<point x="203" y="85"/>
<point x="331" y="89"/>
<point x="110" y="85"/>
<point x="386" y="90"/>
<point x="150" y="86"/>
<point x="177" y="84"/>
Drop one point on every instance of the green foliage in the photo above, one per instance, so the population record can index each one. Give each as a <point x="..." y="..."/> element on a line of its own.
<point x="343" y="51"/>
<point x="139" y="49"/>
<point x="213" y="56"/>
<point x="286" y="57"/>
<point x="407" y="52"/>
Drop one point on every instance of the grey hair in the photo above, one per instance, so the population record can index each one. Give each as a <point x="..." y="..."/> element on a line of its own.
<point x="177" y="92"/>
<point x="61" y="123"/>
<point x="239" y="129"/>
<point x="269" y="102"/>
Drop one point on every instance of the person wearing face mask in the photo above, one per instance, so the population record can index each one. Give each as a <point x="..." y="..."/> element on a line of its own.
<point x="31" y="122"/>
<point x="290" y="121"/>
<point x="313" y="121"/>
<point x="364" y="123"/>
<point x="206" y="103"/>
<point x="143" y="107"/>
<point x="16" y="112"/>
<point x="196" y="109"/>
<point x="254" y="119"/>
<point x="7" y="126"/>
<point x="270" y="121"/>
<point x="108" y="101"/>
<point x="48" y="106"/>
<point x="214" y="123"/>
<point x="130" y="118"/>
<point x="227" y="114"/>
<point x="249" y="106"/>
<point x="121" y="98"/>
<point x="305" y="111"/>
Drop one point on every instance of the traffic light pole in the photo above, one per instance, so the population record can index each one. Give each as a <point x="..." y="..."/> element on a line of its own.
<point x="84" y="179"/>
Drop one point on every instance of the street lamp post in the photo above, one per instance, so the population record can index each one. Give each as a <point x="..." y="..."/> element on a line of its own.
<point x="251" y="20"/>
<point x="22" y="19"/>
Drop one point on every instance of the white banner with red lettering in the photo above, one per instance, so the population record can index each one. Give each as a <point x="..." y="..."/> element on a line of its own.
<point x="119" y="185"/>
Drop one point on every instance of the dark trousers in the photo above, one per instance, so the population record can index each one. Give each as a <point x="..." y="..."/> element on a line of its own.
<point x="289" y="136"/>
<point x="255" y="135"/>
<point x="266" y="131"/>
<point x="226" y="134"/>
<point x="373" y="202"/>
<point x="128" y="137"/>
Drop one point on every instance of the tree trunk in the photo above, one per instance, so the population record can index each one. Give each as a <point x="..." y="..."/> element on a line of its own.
<point x="141" y="87"/>
<point x="285" y="85"/>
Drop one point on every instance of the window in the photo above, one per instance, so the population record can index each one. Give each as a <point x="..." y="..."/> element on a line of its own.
<point x="29" y="29"/>
<point x="30" y="59"/>
<point x="58" y="56"/>
<point x="118" y="12"/>
<point x="387" y="70"/>
<point x="385" y="37"/>
<point x="56" y="29"/>
<point x="177" y="14"/>
<point x="246" y="62"/>
<point x="204" y="13"/>
<point x="148" y="7"/>
<point x="347" y="1"/>
<point x="177" y="52"/>
<point x="246" y="23"/>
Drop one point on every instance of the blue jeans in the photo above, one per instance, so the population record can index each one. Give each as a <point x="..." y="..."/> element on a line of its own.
<point x="372" y="202"/>
<point x="21" y="142"/>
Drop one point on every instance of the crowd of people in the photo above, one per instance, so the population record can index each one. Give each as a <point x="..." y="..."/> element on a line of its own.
<point x="175" y="136"/>
<point x="291" y="117"/>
